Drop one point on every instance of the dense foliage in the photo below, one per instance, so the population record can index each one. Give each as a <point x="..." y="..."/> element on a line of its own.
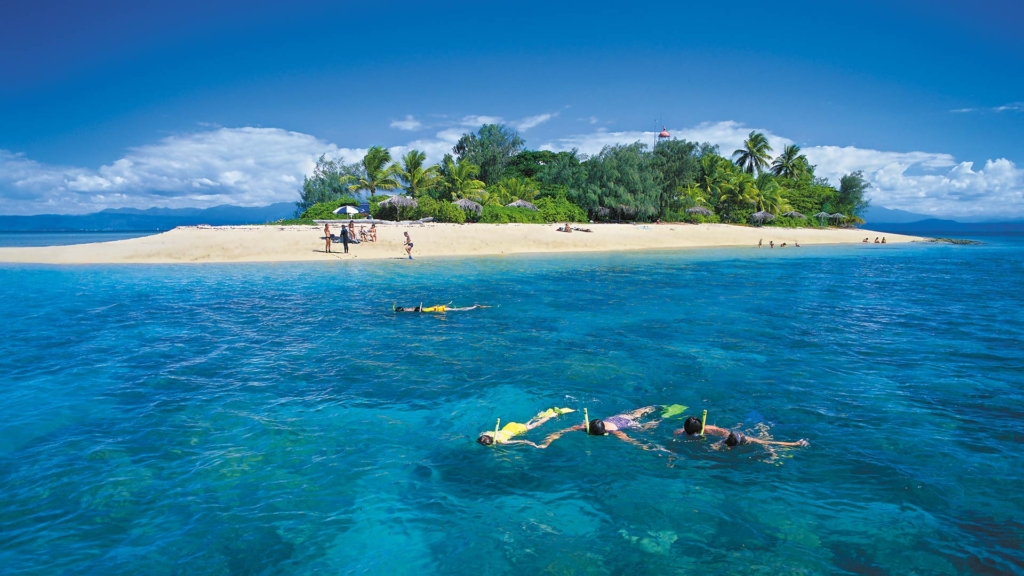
<point x="675" y="181"/>
<point x="325" y="210"/>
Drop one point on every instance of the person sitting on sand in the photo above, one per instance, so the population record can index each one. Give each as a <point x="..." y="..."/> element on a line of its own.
<point x="883" y="239"/>
<point x="566" y="228"/>
<point x="865" y="240"/>
<point x="614" y="425"/>
<point x="783" y="245"/>
<point x="692" y="426"/>
<point x="797" y="244"/>
<point x="373" y="232"/>
<point x="876" y="239"/>
<point x="512" y="429"/>
<point x="362" y="233"/>
<point x="327" y="238"/>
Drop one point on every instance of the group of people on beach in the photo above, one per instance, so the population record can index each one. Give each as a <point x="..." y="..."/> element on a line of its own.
<point x="347" y="235"/>
<point x="617" y="426"/>
<point x="771" y="244"/>
<point x="865" y="241"/>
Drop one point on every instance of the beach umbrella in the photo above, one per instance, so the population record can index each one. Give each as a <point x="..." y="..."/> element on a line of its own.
<point x="837" y="216"/>
<point x="822" y="215"/>
<point x="400" y="202"/>
<point x="603" y="212"/>
<point x="467" y="204"/>
<point x="762" y="216"/>
<point x="699" y="210"/>
<point x="794" y="214"/>
<point x="521" y="204"/>
<point x="347" y="210"/>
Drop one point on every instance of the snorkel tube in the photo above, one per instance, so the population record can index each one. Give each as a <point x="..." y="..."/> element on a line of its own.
<point x="703" y="420"/>
<point x="586" y="422"/>
<point x="494" y="438"/>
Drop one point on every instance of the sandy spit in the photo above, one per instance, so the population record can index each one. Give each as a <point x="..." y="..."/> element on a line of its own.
<point x="305" y="243"/>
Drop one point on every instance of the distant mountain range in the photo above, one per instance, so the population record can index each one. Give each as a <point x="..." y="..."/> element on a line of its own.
<point x="131" y="219"/>
<point x="901" y="221"/>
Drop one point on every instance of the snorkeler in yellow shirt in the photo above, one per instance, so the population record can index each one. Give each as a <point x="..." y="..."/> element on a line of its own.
<point x="437" y="309"/>
<point x="513" y="429"/>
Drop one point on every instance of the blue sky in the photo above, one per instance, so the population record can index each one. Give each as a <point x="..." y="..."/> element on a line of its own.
<point x="124" y="104"/>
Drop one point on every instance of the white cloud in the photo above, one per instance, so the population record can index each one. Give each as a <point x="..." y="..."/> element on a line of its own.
<point x="923" y="182"/>
<point x="1012" y="106"/>
<point x="409" y="123"/>
<point x="533" y="121"/>
<point x="258" y="166"/>
<point x="475" y="121"/>
<point x="242" y="166"/>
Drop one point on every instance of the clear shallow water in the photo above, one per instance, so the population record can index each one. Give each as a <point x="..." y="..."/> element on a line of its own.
<point x="266" y="419"/>
<point x="9" y="239"/>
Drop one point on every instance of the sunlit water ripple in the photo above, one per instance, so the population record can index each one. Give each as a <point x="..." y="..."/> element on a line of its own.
<point x="267" y="419"/>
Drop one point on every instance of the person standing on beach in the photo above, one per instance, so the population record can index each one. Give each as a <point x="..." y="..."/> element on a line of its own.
<point x="327" y="238"/>
<point x="759" y="242"/>
<point x="771" y="244"/>
<point x="344" y="238"/>
<point x="408" y="245"/>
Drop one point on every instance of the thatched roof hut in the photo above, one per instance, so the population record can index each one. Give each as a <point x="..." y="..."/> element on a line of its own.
<point x="522" y="204"/>
<point x="699" y="210"/>
<point x="822" y="215"/>
<point x="795" y="214"/>
<point x="762" y="216"/>
<point x="400" y="202"/>
<point x="468" y="205"/>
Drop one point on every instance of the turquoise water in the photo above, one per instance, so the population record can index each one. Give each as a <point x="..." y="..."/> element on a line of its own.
<point x="279" y="419"/>
<point x="64" y="238"/>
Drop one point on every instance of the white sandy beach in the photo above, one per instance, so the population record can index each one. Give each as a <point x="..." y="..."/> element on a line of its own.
<point x="305" y="243"/>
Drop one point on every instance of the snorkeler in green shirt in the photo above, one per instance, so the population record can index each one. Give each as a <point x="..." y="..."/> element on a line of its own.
<point x="513" y="429"/>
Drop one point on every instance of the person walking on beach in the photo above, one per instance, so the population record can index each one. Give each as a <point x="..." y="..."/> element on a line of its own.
<point x="759" y="242"/>
<point x="408" y="245"/>
<point x="344" y="238"/>
<point x="327" y="238"/>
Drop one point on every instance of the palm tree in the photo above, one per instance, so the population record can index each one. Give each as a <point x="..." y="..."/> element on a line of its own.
<point x="512" y="189"/>
<point x="769" y="196"/>
<point x="412" y="175"/>
<point x="741" y="191"/>
<point x="753" y="157"/>
<point x="376" y="172"/>
<point x="460" y="180"/>
<point x="710" y="177"/>
<point x="790" y="163"/>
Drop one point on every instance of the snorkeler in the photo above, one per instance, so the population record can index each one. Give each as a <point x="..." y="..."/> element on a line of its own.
<point x="512" y="429"/>
<point x="692" y="427"/>
<point x="438" y="309"/>
<point x="613" y="425"/>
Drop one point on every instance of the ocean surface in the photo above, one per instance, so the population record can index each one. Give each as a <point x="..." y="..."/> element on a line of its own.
<point x="280" y="419"/>
<point x="17" y="239"/>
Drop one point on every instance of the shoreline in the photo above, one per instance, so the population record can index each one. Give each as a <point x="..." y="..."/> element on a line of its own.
<point x="268" y="243"/>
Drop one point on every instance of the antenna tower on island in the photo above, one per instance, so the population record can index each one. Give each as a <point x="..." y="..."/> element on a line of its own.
<point x="662" y="136"/>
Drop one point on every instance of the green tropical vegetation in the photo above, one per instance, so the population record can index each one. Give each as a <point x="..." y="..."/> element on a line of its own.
<point x="673" y="181"/>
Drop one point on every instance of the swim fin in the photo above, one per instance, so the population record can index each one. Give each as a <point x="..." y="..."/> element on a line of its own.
<point x="673" y="410"/>
<point x="552" y="412"/>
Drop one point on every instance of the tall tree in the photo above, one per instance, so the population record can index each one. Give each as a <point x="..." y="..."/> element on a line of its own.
<point x="624" y="180"/>
<point x="491" y="148"/>
<point x="753" y="157"/>
<point x="326" y="184"/>
<point x="413" y="175"/>
<point x="376" y="172"/>
<point x="850" y="199"/>
<point x="460" y="180"/>
<point x="790" y="163"/>
<point x="512" y="189"/>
